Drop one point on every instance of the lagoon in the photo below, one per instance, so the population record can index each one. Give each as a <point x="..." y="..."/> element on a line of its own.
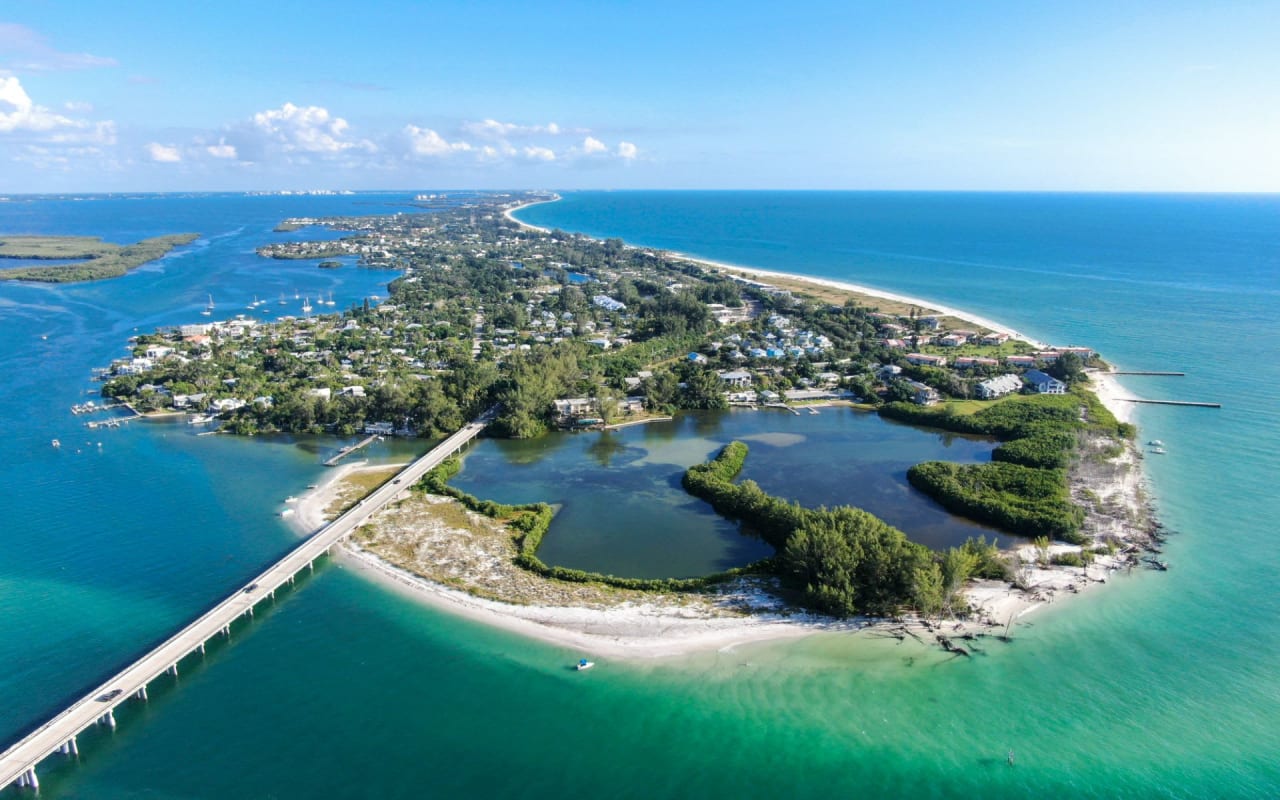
<point x="622" y="510"/>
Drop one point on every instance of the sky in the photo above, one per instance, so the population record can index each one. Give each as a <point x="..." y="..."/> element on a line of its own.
<point x="134" y="95"/>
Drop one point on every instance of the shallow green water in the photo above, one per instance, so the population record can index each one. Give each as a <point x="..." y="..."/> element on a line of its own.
<point x="1162" y="685"/>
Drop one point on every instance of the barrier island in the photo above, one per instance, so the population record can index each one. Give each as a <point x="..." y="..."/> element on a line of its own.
<point x="562" y="331"/>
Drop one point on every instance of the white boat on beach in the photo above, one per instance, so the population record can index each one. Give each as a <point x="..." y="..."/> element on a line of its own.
<point x="288" y="512"/>
<point x="585" y="664"/>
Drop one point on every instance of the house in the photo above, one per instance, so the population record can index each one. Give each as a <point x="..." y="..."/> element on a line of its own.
<point x="923" y="394"/>
<point x="953" y="340"/>
<point x="992" y="388"/>
<point x="1020" y="361"/>
<point x="888" y="371"/>
<point x="352" y="391"/>
<point x="969" y="362"/>
<point x="697" y="358"/>
<point x="738" y="378"/>
<point x="768" y="396"/>
<point x="226" y="404"/>
<point x="922" y="360"/>
<point x="894" y="344"/>
<point x="1048" y="356"/>
<point x="380" y="428"/>
<point x="571" y="408"/>
<point x="995" y="339"/>
<point x="608" y="303"/>
<point x="1045" y="384"/>
<point x="323" y="394"/>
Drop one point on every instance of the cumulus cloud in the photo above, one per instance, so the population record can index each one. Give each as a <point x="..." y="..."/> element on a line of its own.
<point x="24" y="50"/>
<point x="627" y="151"/>
<point x="18" y="112"/>
<point x="307" y="129"/>
<point x="592" y="145"/>
<point x="535" y="153"/>
<point x="221" y="150"/>
<point x="493" y="129"/>
<point x="426" y="142"/>
<point x="162" y="153"/>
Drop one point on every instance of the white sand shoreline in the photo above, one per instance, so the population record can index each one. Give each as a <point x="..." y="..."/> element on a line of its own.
<point x="643" y="630"/>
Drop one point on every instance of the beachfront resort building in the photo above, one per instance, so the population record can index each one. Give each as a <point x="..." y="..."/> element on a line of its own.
<point x="992" y="388"/>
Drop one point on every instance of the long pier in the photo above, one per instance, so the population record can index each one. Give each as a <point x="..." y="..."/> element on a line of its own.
<point x="348" y="450"/>
<point x="1148" y="372"/>
<point x="58" y="735"/>
<point x="1171" y="402"/>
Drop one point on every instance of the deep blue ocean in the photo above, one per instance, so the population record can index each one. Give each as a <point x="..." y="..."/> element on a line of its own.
<point x="1159" y="685"/>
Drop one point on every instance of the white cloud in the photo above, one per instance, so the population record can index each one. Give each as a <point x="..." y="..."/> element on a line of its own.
<point x="222" y="150"/>
<point x="426" y="142"/>
<point x="493" y="129"/>
<point x="534" y="153"/>
<point x="627" y="151"/>
<point x="27" y="51"/>
<point x="307" y="129"/>
<point x="164" y="154"/>
<point x="592" y="145"/>
<point x="19" y="113"/>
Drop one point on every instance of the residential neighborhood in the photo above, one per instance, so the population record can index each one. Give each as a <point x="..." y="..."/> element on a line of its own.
<point x="557" y="329"/>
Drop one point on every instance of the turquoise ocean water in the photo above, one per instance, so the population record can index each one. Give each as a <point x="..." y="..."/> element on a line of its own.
<point x="1161" y="685"/>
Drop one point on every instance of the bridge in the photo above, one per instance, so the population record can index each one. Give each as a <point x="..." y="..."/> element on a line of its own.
<point x="58" y="735"/>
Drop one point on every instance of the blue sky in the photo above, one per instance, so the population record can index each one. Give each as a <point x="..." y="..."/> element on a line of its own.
<point x="137" y="95"/>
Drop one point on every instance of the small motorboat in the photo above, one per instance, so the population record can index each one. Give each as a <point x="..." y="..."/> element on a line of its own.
<point x="56" y="443"/>
<point x="1155" y="443"/>
<point x="1159" y="451"/>
<point x="585" y="664"/>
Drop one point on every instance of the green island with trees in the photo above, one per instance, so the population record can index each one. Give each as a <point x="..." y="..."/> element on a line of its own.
<point x="94" y="259"/>
<point x="560" y="330"/>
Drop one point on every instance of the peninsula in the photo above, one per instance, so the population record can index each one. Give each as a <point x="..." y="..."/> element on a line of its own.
<point x="558" y="330"/>
<point x="91" y="258"/>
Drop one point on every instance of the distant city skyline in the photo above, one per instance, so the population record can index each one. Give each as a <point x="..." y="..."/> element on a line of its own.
<point x="1090" y="96"/>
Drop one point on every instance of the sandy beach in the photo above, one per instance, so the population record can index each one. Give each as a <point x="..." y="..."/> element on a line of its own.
<point x="764" y="275"/>
<point x="464" y="564"/>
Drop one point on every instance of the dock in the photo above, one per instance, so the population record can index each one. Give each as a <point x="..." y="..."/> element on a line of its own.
<point x="18" y="762"/>
<point x="1171" y="402"/>
<point x="1159" y="374"/>
<point x="351" y="448"/>
<point x="645" y="421"/>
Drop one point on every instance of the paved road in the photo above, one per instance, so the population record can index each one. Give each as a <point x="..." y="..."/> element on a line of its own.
<point x="48" y="738"/>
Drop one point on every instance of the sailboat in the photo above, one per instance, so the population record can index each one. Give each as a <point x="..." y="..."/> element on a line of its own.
<point x="282" y="298"/>
<point x="209" y="308"/>
<point x="306" y="306"/>
<point x="329" y="302"/>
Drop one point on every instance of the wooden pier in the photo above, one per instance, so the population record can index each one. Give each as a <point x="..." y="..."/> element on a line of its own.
<point x="1159" y="374"/>
<point x="58" y="735"/>
<point x="349" y="449"/>
<point x="1171" y="402"/>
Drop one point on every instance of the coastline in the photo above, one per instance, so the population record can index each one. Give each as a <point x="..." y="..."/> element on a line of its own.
<point x="844" y="286"/>
<point x="744" y="611"/>
<point x="643" y="626"/>
<point x="510" y="214"/>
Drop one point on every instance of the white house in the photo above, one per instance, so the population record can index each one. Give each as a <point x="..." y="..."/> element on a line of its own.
<point x="998" y="386"/>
